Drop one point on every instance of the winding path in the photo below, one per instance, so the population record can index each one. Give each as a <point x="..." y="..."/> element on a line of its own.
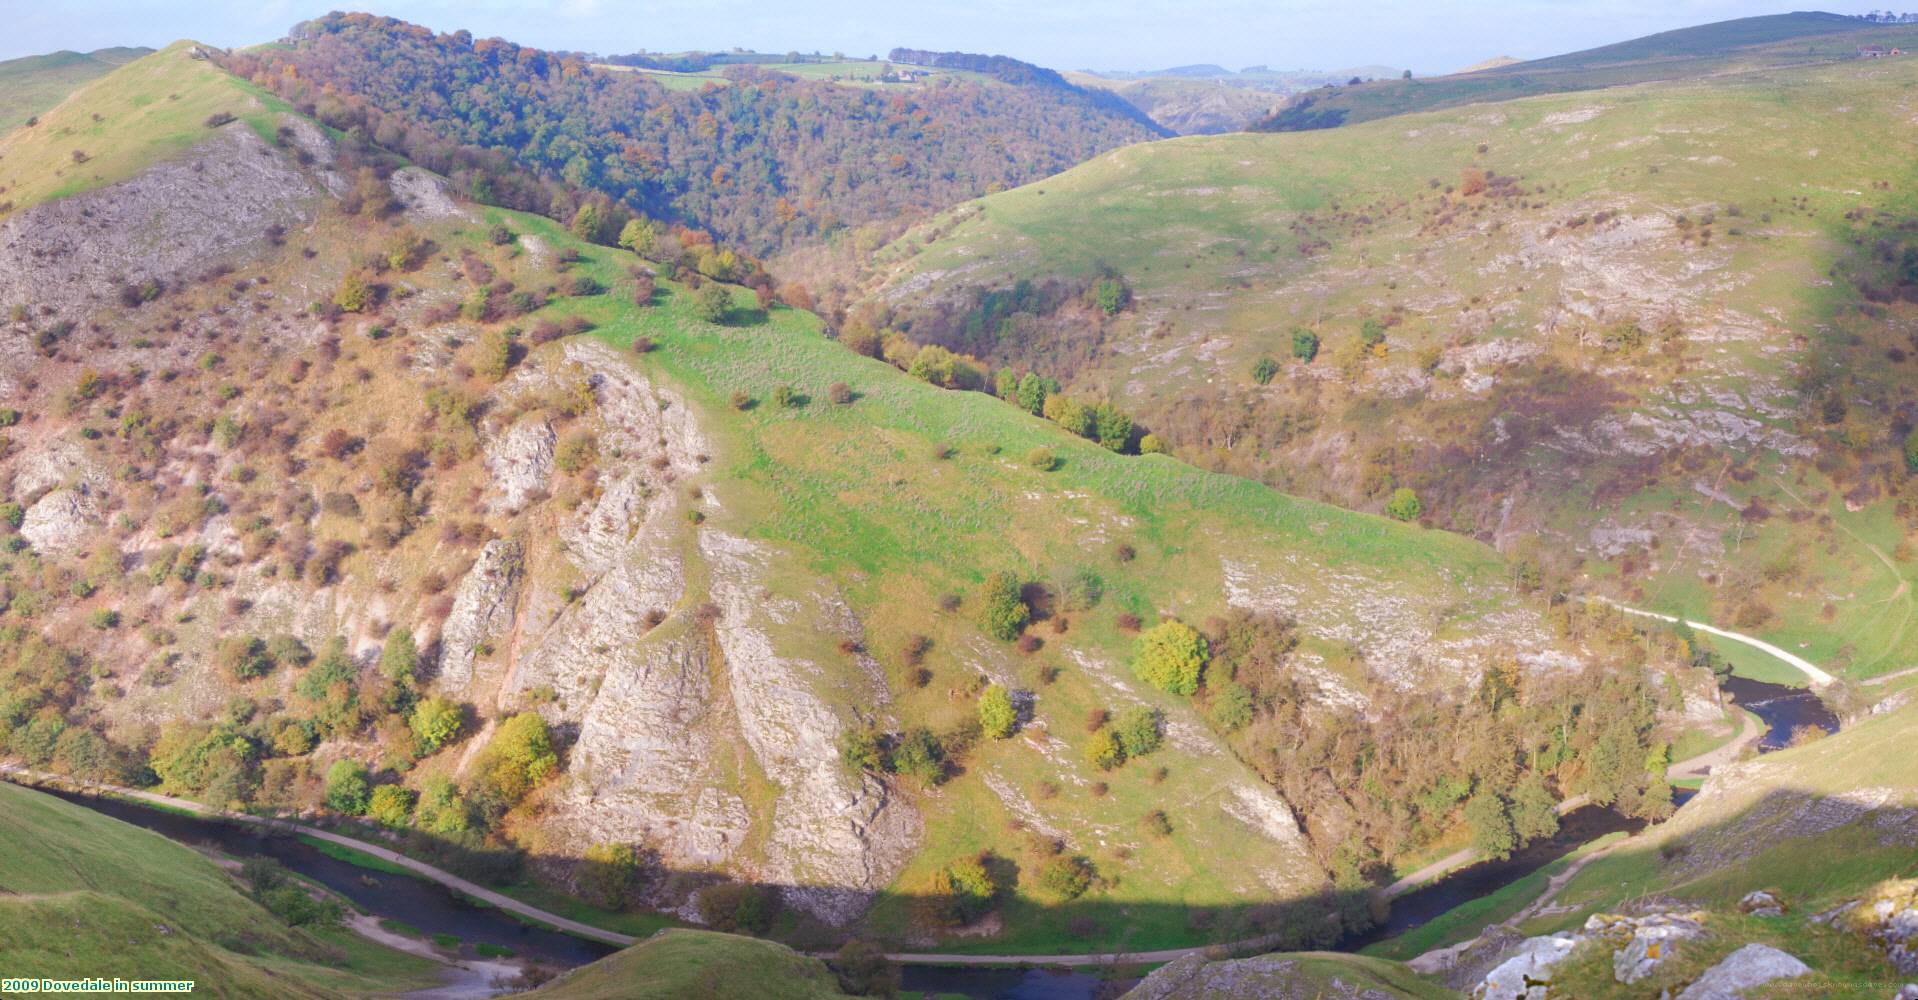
<point x="1818" y="677"/>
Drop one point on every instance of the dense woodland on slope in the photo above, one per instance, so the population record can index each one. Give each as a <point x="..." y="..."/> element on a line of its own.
<point x="769" y="162"/>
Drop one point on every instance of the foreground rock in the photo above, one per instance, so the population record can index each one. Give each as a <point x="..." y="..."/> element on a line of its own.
<point x="1749" y="967"/>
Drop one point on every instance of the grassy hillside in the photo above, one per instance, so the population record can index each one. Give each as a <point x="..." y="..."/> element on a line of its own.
<point x="82" y="895"/>
<point x="676" y="963"/>
<point x="1601" y="324"/>
<point x="1288" y="976"/>
<point x="149" y="109"/>
<point x="1748" y="44"/>
<point x="32" y="84"/>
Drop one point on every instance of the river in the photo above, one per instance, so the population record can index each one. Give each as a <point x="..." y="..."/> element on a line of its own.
<point x="435" y="910"/>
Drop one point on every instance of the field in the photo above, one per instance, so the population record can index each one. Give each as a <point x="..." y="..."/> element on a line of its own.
<point x="1602" y="315"/>
<point x="32" y="84"/>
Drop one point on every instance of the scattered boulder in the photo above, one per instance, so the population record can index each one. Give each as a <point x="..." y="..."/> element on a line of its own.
<point x="1888" y="917"/>
<point x="1751" y="966"/>
<point x="1527" y="974"/>
<point x="1644" y="943"/>
<point x="1759" y="903"/>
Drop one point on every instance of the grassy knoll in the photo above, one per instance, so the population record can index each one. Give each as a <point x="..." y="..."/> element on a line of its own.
<point x="91" y="896"/>
<point x="32" y="84"/>
<point x="681" y="963"/>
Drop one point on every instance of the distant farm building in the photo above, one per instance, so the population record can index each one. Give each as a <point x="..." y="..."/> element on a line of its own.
<point x="1877" y="52"/>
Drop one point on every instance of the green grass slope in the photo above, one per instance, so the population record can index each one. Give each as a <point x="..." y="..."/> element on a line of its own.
<point x="32" y="84"/>
<point x="1586" y="361"/>
<point x="114" y="126"/>
<point x="1308" y="975"/>
<point x="680" y="963"/>
<point x="83" y="895"/>
<point x="1767" y="42"/>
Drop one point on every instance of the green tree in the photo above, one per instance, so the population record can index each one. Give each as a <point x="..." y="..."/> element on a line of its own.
<point x="1114" y="427"/>
<point x="966" y="889"/>
<point x="390" y="805"/>
<point x="1002" y="610"/>
<point x="919" y="756"/>
<point x="1067" y="877"/>
<point x="1265" y="369"/>
<point x="1170" y="656"/>
<point x="1232" y="706"/>
<point x="1404" y="505"/>
<point x="997" y="716"/>
<point x="712" y="302"/>
<point x="1111" y="295"/>
<point x="347" y="786"/>
<point x="435" y="722"/>
<point x="1138" y="730"/>
<point x="1151" y="444"/>
<point x="442" y="809"/>
<point x="1305" y="344"/>
<point x="859" y="749"/>
<point x="1534" y="814"/>
<point x="519" y="757"/>
<point x="637" y="235"/>
<point x="588" y="223"/>
<point x="492" y="356"/>
<point x="608" y="874"/>
<point x="1491" y="826"/>
<point x="400" y="657"/>
<point x="1372" y="333"/>
<point x="1032" y="394"/>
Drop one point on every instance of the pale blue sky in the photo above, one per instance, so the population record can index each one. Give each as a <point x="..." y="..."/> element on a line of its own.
<point x="1066" y="34"/>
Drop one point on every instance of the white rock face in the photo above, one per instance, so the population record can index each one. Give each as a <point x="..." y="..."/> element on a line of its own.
<point x="482" y="612"/>
<point x="521" y="464"/>
<point x="1748" y="967"/>
<point x="424" y="195"/>
<point x="1652" y="941"/>
<point x="61" y="522"/>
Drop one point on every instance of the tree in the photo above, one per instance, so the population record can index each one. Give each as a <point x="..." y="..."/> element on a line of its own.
<point x="863" y="970"/>
<point x="243" y="657"/>
<point x="608" y="874"/>
<point x="435" y="723"/>
<point x="1232" y="707"/>
<point x="965" y="890"/>
<point x="390" y="806"/>
<point x="442" y="809"/>
<point x="400" y="657"/>
<point x="1114" y="427"/>
<point x="1032" y="394"/>
<point x="346" y="787"/>
<point x="1404" y="505"/>
<point x="1305" y="344"/>
<point x="920" y="756"/>
<point x="520" y="756"/>
<point x="1533" y="812"/>
<point x="997" y="716"/>
<point x="492" y="356"/>
<point x="1138" y="730"/>
<point x="1151" y="444"/>
<point x="1103" y="750"/>
<point x="1111" y="295"/>
<point x="1170" y="656"/>
<point x="637" y="235"/>
<point x="1491" y="825"/>
<point x="588" y="223"/>
<point x="859" y="749"/>
<point x="712" y="302"/>
<point x="1264" y="369"/>
<point x="353" y="293"/>
<point x="1067" y="877"/>
<point x="1002" y="610"/>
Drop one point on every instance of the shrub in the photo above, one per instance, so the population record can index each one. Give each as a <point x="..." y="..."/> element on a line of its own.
<point x="243" y="658"/>
<point x="400" y="657"/>
<point x="965" y="890"/>
<point x="104" y="619"/>
<point x="1151" y="445"/>
<point x="785" y="397"/>
<point x="435" y="723"/>
<point x="712" y="302"/>
<point x="1103" y="750"/>
<point x="1404" y="505"/>
<point x="492" y="355"/>
<point x="1305" y="344"/>
<point x="1170" y="656"/>
<point x="997" y="716"/>
<point x="859" y="749"/>
<point x="346" y="787"/>
<point x="576" y="452"/>
<point x="1002" y="611"/>
<point x="741" y="401"/>
<point x="735" y="906"/>
<point x="919" y="756"/>
<point x="520" y="756"/>
<point x="354" y="294"/>
<point x="1155" y="824"/>
<point x="1138" y="730"/>
<point x="1067" y="877"/>
<point x="839" y="392"/>
<point x="1232" y="706"/>
<point x="1111" y="295"/>
<point x="608" y="874"/>
<point x="1264" y="369"/>
<point x="1042" y="459"/>
<point x="1372" y="333"/>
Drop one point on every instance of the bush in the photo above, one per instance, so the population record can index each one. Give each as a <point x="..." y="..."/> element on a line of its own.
<point x="859" y="749"/>
<point x="1372" y="333"/>
<point x="735" y="906"/>
<point x="839" y="392"/>
<point x="1042" y="459"/>
<point x="104" y="619"/>
<point x="1138" y="730"/>
<point x="1264" y="370"/>
<point x="1067" y="877"/>
<point x="608" y="874"/>
<point x="712" y="302"/>
<point x="1151" y="445"/>
<point x="1170" y="656"/>
<point x="785" y="397"/>
<point x="1232" y="707"/>
<point x="400" y="657"/>
<point x="520" y="757"/>
<point x="1155" y="824"/>
<point x="1002" y="611"/>
<point x="863" y="970"/>
<point x="1404" y="505"/>
<point x="997" y="716"/>
<point x="965" y="890"/>
<point x="243" y="658"/>
<point x="435" y="723"/>
<point x="390" y="806"/>
<point x="354" y="294"/>
<point x="1305" y="344"/>
<point x="919" y="756"/>
<point x="347" y="787"/>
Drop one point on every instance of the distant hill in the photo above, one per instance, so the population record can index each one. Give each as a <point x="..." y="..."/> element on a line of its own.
<point x="1771" y="41"/>
<point x="32" y="84"/>
<point x="784" y="162"/>
<point x="1205" y="99"/>
<point x="1495" y="62"/>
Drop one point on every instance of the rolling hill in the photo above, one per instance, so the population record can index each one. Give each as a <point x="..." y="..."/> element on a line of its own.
<point x="333" y="492"/>
<point x="85" y="896"/>
<point x="32" y="84"/>
<point x="1649" y="342"/>
<point x="1768" y="42"/>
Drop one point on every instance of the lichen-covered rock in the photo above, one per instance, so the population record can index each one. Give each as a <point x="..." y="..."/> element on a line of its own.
<point x="482" y="612"/>
<point x="1888" y="918"/>
<point x="1751" y="966"/>
<point x="1759" y="903"/>
<point x="1644" y="943"/>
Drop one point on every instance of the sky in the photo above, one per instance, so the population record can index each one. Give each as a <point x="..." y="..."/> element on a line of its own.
<point x="1422" y="35"/>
